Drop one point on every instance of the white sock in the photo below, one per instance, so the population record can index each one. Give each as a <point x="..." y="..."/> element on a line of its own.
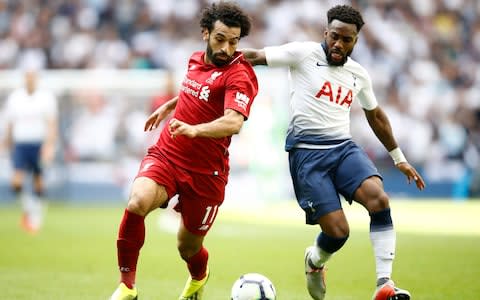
<point x="319" y="256"/>
<point x="33" y="208"/>
<point x="25" y="202"/>
<point x="383" y="243"/>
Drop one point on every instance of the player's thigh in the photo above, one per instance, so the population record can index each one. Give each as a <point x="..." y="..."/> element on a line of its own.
<point x="20" y="157"/>
<point x="314" y="189"/>
<point x="354" y="167"/>
<point x="154" y="184"/>
<point x="146" y="195"/>
<point x="35" y="159"/>
<point x="200" y="197"/>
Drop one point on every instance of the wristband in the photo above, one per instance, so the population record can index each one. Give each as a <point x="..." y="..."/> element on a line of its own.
<point x="397" y="156"/>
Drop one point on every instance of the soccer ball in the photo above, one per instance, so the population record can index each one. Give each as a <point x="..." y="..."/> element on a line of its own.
<point x="253" y="286"/>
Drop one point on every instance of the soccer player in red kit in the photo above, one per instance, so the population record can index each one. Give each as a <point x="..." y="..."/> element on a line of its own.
<point x="191" y="156"/>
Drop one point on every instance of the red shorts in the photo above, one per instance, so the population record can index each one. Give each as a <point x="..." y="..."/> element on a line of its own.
<point x="199" y="195"/>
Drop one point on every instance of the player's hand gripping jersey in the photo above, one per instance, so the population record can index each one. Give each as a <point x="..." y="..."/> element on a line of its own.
<point x="206" y="91"/>
<point x="321" y="95"/>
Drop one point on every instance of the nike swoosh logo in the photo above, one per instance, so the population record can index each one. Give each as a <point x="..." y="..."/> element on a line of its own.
<point x="322" y="65"/>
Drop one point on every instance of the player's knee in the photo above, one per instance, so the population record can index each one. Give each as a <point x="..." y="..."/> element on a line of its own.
<point x="39" y="193"/>
<point x="337" y="230"/>
<point x="378" y="202"/>
<point x="138" y="205"/>
<point x="335" y="224"/>
<point x="329" y="243"/>
<point x="16" y="189"/>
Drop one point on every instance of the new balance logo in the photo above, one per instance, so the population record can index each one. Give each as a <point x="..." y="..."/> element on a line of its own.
<point x="204" y="227"/>
<point x="146" y="166"/>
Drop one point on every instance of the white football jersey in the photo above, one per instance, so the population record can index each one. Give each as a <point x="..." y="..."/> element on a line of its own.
<point x="29" y="113"/>
<point x="321" y="95"/>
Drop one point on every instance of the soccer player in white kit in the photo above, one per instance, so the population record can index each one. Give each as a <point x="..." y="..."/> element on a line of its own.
<point x="324" y="161"/>
<point x="31" y="116"/>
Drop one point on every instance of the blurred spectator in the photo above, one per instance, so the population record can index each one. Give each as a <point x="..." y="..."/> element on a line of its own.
<point x="169" y="91"/>
<point x="93" y="131"/>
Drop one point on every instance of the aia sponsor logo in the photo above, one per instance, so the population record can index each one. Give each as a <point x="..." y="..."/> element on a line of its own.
<point x="242" y="100"/>
<point x="340" y="96"/>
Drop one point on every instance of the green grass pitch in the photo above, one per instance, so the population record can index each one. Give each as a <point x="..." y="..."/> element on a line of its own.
<point x="74" y="256"/>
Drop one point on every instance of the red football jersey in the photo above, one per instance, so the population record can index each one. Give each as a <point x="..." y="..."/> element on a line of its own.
<point x="205" y="93"/>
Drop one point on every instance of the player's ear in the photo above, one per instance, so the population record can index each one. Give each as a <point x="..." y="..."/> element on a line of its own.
<point x="205" y="34"/>
<point x="356" y="40"/>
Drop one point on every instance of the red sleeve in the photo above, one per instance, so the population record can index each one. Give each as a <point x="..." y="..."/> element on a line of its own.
<point x="241" y="90"/>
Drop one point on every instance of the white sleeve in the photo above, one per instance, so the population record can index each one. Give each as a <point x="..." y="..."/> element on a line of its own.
<point x="366" y="96"/>
<point x="287" y="55"/>
<point x="51" y="108"/>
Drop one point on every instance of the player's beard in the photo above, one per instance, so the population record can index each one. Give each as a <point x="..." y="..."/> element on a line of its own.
<point x="337" y="63"/>
<point x="213" y="57"/>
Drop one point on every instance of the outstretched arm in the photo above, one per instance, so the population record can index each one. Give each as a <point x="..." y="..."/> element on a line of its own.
<point x="255" y="56"/>
<point x="229" y="124"/>
<point x="160" y="113"/>
<point x="378" y="121"/>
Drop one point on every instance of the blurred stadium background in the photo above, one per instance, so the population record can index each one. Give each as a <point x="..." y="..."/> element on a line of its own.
<point x="110" y="62"/>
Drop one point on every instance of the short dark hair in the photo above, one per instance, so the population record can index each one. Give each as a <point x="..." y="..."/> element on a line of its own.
<point x="229" y="14"/>
<point x="346" y="14"/>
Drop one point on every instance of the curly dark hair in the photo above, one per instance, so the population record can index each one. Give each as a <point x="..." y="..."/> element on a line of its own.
<point x="346" y="14"/>
<point x="229" y="14"/>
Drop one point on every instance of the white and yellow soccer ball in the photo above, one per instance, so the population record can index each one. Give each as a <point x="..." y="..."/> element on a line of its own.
<point x="253" y="286"/>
